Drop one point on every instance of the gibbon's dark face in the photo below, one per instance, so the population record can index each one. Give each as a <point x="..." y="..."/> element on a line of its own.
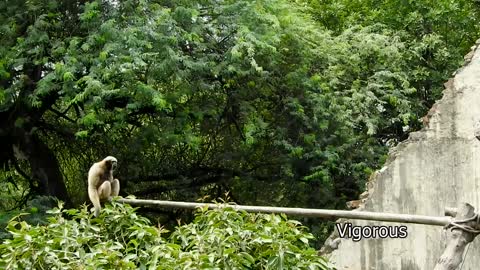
<point x="111" y="163"/>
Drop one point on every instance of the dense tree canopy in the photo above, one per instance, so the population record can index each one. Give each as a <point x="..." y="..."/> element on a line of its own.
<point x="291" y="103"/>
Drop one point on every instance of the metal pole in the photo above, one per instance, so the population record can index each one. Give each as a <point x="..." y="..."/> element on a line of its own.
<point x="323" y="213"/>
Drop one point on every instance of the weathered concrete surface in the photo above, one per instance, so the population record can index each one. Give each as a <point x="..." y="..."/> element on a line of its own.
<point x="435" y="168"/>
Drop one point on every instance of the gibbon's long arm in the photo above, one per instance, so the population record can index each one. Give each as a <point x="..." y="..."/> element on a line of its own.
<point x="95" y="199"/>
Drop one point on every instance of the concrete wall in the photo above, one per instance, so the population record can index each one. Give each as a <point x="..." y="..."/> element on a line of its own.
<point x="435" y="168"/>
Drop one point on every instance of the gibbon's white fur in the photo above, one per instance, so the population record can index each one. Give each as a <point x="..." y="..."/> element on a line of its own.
<point x="101" y="184"/>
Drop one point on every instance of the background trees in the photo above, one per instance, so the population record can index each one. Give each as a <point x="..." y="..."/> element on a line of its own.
<point x="277" y="102"/>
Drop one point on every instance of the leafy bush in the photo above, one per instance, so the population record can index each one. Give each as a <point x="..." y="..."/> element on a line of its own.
<point x="36" y="208"/>
<point x="121" y="239"/>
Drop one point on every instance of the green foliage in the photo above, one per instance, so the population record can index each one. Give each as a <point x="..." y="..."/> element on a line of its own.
<point x="436" y="33"/>
<point x="228" y="239"/>
<point x="281" y="102"/>
<point x="35" y="212"/>
<point x="12" y="186"/>
<point x="121" y="239"/>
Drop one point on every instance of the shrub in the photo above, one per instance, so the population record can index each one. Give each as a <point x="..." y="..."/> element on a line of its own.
<point x="121" y="239"/>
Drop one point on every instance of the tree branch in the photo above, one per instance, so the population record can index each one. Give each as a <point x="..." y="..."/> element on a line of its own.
<point x="62" y="115"/>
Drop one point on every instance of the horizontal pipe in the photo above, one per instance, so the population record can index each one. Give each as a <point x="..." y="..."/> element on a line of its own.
<point x="323" y="213"/>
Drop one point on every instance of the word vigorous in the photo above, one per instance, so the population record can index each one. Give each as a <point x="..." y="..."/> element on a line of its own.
<point x="357" y="233"/>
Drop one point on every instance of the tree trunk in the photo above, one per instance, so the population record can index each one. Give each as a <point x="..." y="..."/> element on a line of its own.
<point x="43" y="164"/>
